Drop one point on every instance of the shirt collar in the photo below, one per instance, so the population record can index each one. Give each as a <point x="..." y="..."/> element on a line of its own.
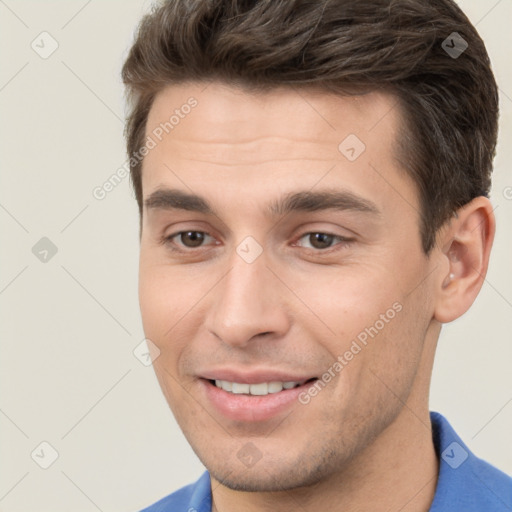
<point x="465" y="482"/>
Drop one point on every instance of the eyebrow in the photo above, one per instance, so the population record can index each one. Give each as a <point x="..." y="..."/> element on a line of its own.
<point x="301" y="201"/>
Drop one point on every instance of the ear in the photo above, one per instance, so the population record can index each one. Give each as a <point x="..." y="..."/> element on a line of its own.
<point x="463" y="249"/>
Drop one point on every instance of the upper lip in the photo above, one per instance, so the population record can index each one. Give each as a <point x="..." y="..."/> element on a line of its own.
<point x="253" y="376"/>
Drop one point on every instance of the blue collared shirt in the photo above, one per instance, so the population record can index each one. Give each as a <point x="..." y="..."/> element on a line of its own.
<point x="466" y="483"/>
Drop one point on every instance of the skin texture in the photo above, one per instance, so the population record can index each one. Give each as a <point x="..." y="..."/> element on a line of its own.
<point x="364" y="442"/>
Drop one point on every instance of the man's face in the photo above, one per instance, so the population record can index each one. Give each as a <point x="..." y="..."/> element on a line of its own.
<point x="255" y="294"/>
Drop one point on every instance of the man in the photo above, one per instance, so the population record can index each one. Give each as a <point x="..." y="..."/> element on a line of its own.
<point x="312" y="179"/>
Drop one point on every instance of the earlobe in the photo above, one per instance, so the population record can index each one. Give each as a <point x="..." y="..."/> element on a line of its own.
<point x="466" y="243"/>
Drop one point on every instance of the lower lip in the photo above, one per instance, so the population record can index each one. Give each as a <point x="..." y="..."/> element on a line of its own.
<point x="251" y="407"/>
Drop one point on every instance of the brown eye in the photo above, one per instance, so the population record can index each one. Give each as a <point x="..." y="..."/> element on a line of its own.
<point x="320" y="240"/>
<point x="186" y="241"/>
<point x="191" y="238"/>
<point x="323" y="242"/>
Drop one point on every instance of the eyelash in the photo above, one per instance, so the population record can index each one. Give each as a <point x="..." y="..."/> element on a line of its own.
<point x="343" y="242"/>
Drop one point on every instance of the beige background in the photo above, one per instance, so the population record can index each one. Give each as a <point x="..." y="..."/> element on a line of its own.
<point x="69" y="325"/>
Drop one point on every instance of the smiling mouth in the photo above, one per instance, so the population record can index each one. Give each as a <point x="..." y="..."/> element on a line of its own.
<point x="259" y="389"/>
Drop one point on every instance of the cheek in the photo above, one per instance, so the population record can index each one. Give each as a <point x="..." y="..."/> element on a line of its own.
<point x="348" y="301"/>
<point x="395" y="353"/>
<point x="155" y="298"/>
<point x="165" y="294"/>
<point x="163" y="303"/>
<point x="372" y="324"/>
<point x="171" y="308"/>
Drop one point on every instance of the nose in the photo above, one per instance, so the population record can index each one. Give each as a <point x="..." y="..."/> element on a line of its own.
<point x="247" y="304"/>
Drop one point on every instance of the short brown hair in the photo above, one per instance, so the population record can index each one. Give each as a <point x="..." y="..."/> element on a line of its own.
<point x="450" y="102"/>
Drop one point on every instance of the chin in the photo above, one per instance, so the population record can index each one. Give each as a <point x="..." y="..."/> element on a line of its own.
<point x="275" y="476"/>
<point x="250" y="481"/>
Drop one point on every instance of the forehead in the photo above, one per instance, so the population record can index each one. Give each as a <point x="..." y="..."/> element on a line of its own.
<point x="233" y="115"/>
<point x="267" y="141"/>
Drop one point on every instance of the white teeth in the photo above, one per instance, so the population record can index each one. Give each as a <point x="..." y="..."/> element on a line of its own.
<point x="227" y="386"/>
<point x="275" y="387"/>
<point x="239" y="389"/>
<point x="224" y="384"/>
<point x="260" y="389"/>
